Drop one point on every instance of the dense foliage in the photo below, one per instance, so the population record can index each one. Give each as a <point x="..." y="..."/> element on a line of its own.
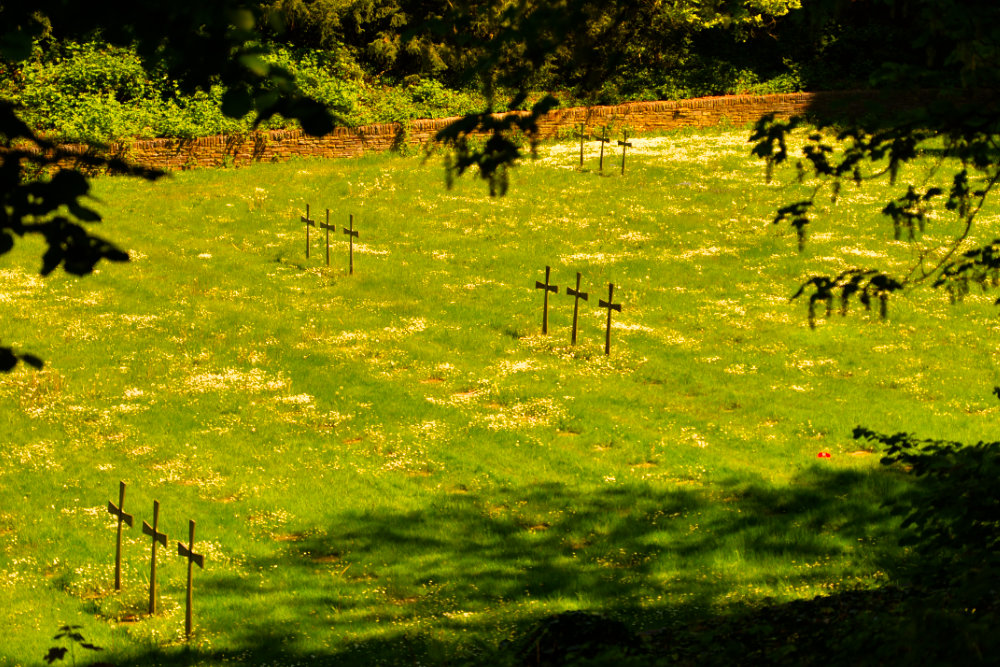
<point x="372" y="61"/>
<point x="96" y="92"/>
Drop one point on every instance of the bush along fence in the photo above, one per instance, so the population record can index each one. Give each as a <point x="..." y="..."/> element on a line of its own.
<point x="639" y="117"/>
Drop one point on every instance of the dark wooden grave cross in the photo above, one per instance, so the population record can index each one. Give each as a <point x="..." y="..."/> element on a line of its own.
<point x="328" y="227"/>
<point x="583" y="128"/>
<point x="309" y="223"/>
<point x="610" y="305"/>
<point x="545" y="304"/>
<point x="604" y="139"/>
<point x="577" y="295"/>
<point x="624" y="144"/>
<point x="157" y="537"/>
<point x="351" y="235"/>
<point x="192" y="558"/>
<point x="127" y="518"/>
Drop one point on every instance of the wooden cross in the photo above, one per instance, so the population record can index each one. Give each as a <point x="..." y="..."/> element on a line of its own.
<point x="309" y="223"/>
<point x="545" y="304"/>
<point x="328" y="227"/>
<point x="610" y="305"/>
<point x="604" y="139"/>
<point x="192" y="558"/>
<point x="351" y="235"/>
<point x="624" y="144"/>
<point x="577" y="295"/>
<point x="127" y="518"/>
<point x="157" y="537"/>
<point x="583" y="128"/>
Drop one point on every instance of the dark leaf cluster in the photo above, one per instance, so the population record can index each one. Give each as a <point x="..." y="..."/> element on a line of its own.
<point x="501" y="148"/>
<point x="858" y="151"/>
<point x="52" y="208"/>
<point x="979" y="267"/>
<point x="952" y="515"/>
<point x="195" y="42"/>
<point x="72" y="633"/>
<point x="867" y="286"/>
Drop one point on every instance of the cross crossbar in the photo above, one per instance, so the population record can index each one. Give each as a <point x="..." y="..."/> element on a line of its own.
<point x="117" y="511"/>
<point x="624" y="144"/>
<point x="328" y="227"/>
<point x="577" y="295"/>
<point x="192" y="558"/>
<point x="122" y="516"/>
<point x="187" y="551"/>
<point x="583" y="129"/>
<point x="604" y="139"/>
<point x="545" y="303"/>
<point x="152" y="531"/>
<point x="610" y="305"/>
<point x="309" y="223"/>
<point x="157" y="537"/>
<point x="351" y="235"/>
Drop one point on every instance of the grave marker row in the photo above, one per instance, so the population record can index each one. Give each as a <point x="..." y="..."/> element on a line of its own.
<point x="161" y="538"/>
<point x="350" y="231"/>
<point x="577" y="294"/>
<point x="604" y="139"/>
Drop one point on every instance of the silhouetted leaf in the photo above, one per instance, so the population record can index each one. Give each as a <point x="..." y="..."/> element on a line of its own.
<point x="32" y="360"/>
<point x="55" y="653"/>
<point x="8" y="360"/>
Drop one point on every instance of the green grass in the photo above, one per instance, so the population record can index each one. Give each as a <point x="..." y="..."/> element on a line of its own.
<point x="396" y="467"/>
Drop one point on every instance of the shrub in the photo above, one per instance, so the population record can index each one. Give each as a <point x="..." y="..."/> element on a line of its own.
<point x="952" y="517"/>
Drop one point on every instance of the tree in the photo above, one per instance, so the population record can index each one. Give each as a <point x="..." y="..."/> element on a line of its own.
<point x="198" y="43"/>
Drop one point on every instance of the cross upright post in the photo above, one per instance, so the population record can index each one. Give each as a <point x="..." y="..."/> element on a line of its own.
<point x="122" y="517"/>
<point x="610" y="305"/>
<point x="577" y="295"/>
<point x="157" y="537"/>
<point x="624" y="144"/>
<point x="192" y="558"/>
<point x="545" y="303"/>
<point x="351" y="235"/>
<point x="604" y="139"/>
<point x="309" y="223"/>
<point x="327" y="226"/>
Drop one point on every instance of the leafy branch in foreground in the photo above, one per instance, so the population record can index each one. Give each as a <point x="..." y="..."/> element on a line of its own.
<point x="866" y="153"/>
<point x="51" y="208"/>
<point x="501" y="148"/>
<point x="953" y="514"/>
<point x="199" y="44"/>
<point x="867" y="285"/>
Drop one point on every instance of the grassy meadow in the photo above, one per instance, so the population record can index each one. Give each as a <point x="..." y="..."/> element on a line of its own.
<point x="396" y="467"/>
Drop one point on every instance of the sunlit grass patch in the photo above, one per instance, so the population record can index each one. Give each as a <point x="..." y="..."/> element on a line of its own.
<point x="401" y="453"/>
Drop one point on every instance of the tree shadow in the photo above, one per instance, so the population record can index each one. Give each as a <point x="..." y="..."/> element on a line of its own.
<point x="446" y="570"/>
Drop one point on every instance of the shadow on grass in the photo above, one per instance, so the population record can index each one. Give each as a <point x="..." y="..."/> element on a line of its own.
<point x="447" y="584"/>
